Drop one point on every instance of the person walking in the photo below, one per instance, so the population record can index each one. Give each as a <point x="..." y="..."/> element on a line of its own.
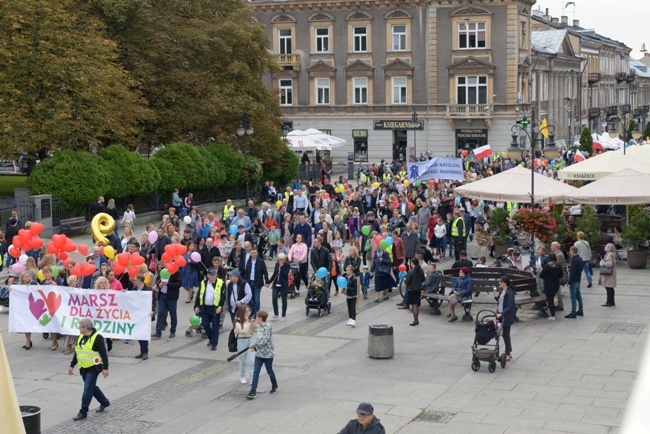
<point x="608" y="274"/>
<point x="139" y="285"/>
<point x="264" y="353"/>
<point x="584" y="250"/>
<point x="413" y="281"/>
<point x="551" y="274"/>
<point x="280" y="282"/>
<point x="168" y="292"/>
<point x="209" y="304"/>
<point x="90" y="354"/>
<point x="575" y="272"/>
<point x="244" y="334"/>
<point x="507" y="312"/>
<point x="366" y="422"/>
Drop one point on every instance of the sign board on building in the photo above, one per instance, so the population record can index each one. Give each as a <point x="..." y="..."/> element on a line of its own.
<point x="328" y="132"/>
<point x="471" y="133"/>
<point x="398" y="125"/>
<point x="360" y="134"/>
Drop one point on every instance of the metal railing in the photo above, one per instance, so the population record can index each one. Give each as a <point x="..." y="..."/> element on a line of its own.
<point x="469" y="111"/>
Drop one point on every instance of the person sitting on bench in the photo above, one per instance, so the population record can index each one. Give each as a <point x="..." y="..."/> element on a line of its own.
<point x="462" y="291"/>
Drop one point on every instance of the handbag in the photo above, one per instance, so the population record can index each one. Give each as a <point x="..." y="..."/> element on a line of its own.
<point x="232" y="341"/>
<point x="606" y="271"/>
<point x="152" y="263"/>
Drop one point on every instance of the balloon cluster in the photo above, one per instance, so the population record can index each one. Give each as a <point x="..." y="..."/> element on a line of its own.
<point x="128" y="262"/>
<point x="82" y="270"/>
<point x="173" y="258"/>
<point x="60" y="246"/>
<point x="382" y="243"/>
<point x="27" y="240"/>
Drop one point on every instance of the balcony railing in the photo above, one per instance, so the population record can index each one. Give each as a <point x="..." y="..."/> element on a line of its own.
<point x="594" y="113"/>
<point x="464" y="111"/>
<point x="593" y="77"/>
<point x="289" y="62"/>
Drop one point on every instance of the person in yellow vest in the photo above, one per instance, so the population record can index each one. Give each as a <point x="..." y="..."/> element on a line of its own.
<point x="511" y="207"/>
<point x="458" y="234"/>
<point x="226" y="210"/>
<point x="402" y="174"/>
<point x="90" y="354"/>
<point x="209" y="304"/>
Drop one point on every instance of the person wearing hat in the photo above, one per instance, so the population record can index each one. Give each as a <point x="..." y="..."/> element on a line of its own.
<point x="462" y="291"/>
<point x="209" y="304"/>
<point x="366" y="422"/>
<point x="238" y="292"/>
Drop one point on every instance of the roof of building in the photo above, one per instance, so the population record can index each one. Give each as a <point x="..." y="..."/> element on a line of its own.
<point x="548" y="41"/>
<point x="641" y="69"/>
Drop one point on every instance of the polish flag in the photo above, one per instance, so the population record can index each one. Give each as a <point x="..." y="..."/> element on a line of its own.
<point x="482" y="152"/>
<point x="579" y="157"/>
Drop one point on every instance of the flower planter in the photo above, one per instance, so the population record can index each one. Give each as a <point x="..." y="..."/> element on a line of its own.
<point x="637" y="259"/>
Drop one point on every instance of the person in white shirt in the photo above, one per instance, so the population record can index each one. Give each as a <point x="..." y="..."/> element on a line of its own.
<point x="129" y="216"/>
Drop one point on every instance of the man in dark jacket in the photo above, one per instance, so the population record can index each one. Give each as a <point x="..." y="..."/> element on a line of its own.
<point x="255" y="273"/>
<point x="97" y="207"/>
<point x="575" y="274"/>
<point x="411" y="242"/>
<point x="365" y="423"/>
<point x="302" y="228"/>
<point x="90" y="353"/>
<point x="208" y="252"/>
<point x="162" y="241"/>
<point x="463" y="261"/>
<point x="168" y="291"/>
<point x="320" y="257"/>
<point x="138" y="285"/>
<point x="238" y="292"/>
<point x="209" y="304"/>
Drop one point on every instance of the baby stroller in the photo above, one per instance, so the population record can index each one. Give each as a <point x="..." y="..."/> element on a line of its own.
<point x="316" y="298"/>
<point x="487" y="328"/>
<point x="198" y="329"/>
<point x="294" y="277"/>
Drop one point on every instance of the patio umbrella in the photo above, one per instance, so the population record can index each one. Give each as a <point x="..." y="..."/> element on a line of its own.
<point x="625" y="187"/>
<point x="514" y="185"/>
<point x="313" y="139"/>
<point x="598" y="167"/>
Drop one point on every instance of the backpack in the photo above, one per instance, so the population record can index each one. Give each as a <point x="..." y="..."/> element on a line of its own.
<point x="232" y="341"/>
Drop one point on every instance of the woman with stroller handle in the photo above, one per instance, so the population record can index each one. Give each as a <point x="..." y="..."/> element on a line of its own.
<point x="244" y="334"/>
<point x="413" y="281"/>
<point x="609" y="280"/>
<point x="299" y="254"/>
<point x="280" y="282"/>
<point x="551" y="275"/>
<point x="506" y="312"/>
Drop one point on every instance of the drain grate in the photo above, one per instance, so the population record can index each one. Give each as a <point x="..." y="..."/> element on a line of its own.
<point x="620" y="328"/>
<point x="435" y="417"/>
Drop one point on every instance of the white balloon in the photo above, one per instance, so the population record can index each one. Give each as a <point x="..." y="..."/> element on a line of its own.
<point x="23" y="259"/>
<point x="187" y="220"/>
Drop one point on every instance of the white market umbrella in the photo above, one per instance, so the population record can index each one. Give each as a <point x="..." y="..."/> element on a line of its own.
<point x="599" y="166"/>
<point x="313" y="139"/>
<point x="514" y="185"/>
<point x="625" y="187"/>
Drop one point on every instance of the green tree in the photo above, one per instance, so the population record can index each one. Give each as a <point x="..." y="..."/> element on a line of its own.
<point x="199" y="64"/>
<point x="586" y="141"/>
<point x="132" y="175"/>
<point x="232" y="161"/>
<point x="630" y="129"/>
<point x="216" y="168"/>
<point x="286" y="170"/>
<point x="79" y="177"/>
<point x="61" y="86"/>
<point x="181" y="166"/>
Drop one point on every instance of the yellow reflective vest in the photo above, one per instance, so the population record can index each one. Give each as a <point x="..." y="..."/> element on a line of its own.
<point x="217" y="292"/>
<point x="86" y="357"/>
<point x="454" y="228"/>
<point x="226" y="211"/>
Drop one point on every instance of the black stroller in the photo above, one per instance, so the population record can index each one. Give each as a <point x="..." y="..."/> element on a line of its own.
<point x="487" y="328"/>
<point x="294" y="277"/>
<point x="316" y="297"/>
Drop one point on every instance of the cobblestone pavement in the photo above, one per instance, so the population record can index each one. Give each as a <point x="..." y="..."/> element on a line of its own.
<point x="566" y="376"/>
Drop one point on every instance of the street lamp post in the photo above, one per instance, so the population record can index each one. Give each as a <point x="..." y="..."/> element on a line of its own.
<point x="414" y="120"/>
<point x="245" y="129"/>
<point x="613" y="122"/>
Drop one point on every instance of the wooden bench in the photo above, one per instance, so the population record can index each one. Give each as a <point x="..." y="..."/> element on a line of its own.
<point x="73" y="224"/>
<point x="485" y="280"/>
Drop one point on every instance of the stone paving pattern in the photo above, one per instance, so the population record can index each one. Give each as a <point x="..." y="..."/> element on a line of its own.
<point x="566" y="376"/>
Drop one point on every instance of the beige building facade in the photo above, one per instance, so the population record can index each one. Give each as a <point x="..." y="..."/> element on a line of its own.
<point x="361" y="70"/>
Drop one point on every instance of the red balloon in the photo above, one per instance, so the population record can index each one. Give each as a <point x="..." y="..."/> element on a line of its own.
<point x="101" y="250"/>
<point x="172" y="268"/>
<point x="378" y="239"/>
<point x="137" y="259"/>
<point x="169" y="248"/>
<point x="181" y="249"/>
<point x="180" y="261"/>
<point x="36" y="242"/>
<point x="166" y="257"/>
<point x="36" y="228"/>
<point x="411" y="206"/>
<point x="16" y="241"/>
<point x="51" y="249"/>
<point x="87" y="269"/>
<point x="14" y="251"/>
<point x="59" y="241"/>
<point x="326" y="195"/>
<point x="124" y="258"/>
<point x="70" y="246"/>
<point x="402" y="267"/>
<point x="25" y="238"/>
<point x="66" y="263"/>
<point x="134" y="271"/>
<point x="76" y="270"/>
<point x="118" y="268"/>
<point x="62" y="256"/>
<point x="346" y="185"/>
<point x="83" y="249"/>
<point x="432" y="182"/>
<point x="464" y="152"/>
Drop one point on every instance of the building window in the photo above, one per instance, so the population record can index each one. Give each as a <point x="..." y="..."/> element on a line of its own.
<point x="471" y="90"/>
<point x="360" y="85"/>
<point x="323" y="91"/>
<point x="322" y="40"/>
<point x="399" y="38"/>
<point x="399" y="90"/>
<point x="471" y="35"/>
<point x="284" y="40"/>
<point x="360" y="39"/>
<point x="286" y="92"/>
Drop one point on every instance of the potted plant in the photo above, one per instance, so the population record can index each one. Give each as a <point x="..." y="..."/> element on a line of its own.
<point x="633" y="236"/>
<point x="590" y="224"/>
<point x="500" y="226"/>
